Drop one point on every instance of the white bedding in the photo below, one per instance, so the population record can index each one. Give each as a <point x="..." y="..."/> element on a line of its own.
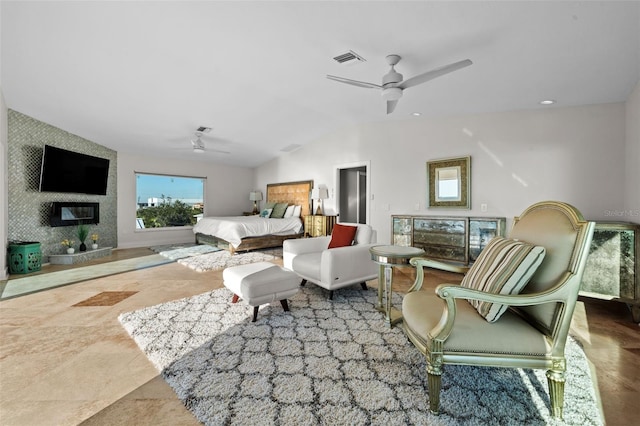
<point x="234" y="228"/>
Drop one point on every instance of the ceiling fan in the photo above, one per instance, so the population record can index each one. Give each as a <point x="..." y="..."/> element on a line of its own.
<point x="393" y="83"/>
<point x="198" y="145"/>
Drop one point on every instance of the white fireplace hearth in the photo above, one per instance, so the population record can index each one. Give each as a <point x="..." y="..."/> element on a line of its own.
<point x="79" y="256"/>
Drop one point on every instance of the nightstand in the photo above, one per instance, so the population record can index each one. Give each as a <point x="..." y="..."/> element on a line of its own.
<point x="319" y="226"/>
<point x="249" y="214"/>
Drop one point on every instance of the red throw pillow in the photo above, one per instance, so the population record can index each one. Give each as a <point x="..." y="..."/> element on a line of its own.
<point x="342" y="235"/>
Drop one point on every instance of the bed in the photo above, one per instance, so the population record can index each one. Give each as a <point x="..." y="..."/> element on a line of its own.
<point x="243" y="233"/>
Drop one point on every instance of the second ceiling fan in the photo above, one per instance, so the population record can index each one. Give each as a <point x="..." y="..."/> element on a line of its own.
<point x="198" y="145"/>
<point x="393" y="83"/>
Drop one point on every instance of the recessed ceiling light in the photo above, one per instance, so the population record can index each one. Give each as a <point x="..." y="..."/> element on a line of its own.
<point x="547" y="102"/>
<point x="416" y="114"/>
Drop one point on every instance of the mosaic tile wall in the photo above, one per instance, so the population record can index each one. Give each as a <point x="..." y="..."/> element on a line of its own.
<point x="29" y="209"/>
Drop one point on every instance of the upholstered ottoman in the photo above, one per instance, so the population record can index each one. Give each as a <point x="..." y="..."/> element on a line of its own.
<point x="260" y="283"/>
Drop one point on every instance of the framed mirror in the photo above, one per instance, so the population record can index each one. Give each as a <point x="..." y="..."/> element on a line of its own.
<point x="449" y="183"/>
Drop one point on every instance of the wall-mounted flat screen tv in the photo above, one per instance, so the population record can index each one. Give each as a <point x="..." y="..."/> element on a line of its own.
<point x="68" y="171"/>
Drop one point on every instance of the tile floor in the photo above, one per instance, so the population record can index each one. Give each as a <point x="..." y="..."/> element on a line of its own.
<point x="62" y="364"/>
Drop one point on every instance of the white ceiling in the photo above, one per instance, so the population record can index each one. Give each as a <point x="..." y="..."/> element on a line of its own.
<point x="140" y="77"/>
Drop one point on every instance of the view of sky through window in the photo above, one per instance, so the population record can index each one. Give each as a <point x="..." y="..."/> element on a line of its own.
<point x="189" y="190"/>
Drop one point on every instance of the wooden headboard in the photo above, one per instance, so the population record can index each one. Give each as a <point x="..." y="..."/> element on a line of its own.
<point x="296" y="193"/>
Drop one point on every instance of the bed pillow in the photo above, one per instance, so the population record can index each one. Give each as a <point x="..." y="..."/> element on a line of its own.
<point x="266" y="213"/>
<point x="297" y="211"/>
<point x="289" y="211"/>
<point x="342" y="235"/>
<point x="278" y="210"/>
<point x="269" y="205"/>
<point x="504" y="266"/>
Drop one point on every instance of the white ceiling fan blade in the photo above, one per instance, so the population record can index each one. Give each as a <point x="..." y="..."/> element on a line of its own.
<point x="429" y="75"/>
<point x="354" y="82"/>
<point x="391" y="105"/>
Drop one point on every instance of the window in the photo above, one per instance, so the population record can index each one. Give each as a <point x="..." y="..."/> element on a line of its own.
<point x="167" y="201"/>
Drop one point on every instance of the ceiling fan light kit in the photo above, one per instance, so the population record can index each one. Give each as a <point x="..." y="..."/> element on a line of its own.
<point x="393" y="84"/>
<point x="198" y="146"/>
<point x="391" y="93"/>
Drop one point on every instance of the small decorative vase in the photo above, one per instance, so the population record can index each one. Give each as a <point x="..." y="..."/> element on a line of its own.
<point x="83" y="247"/>
<point x="70" y="250"/>
<point x="94" y="246"/>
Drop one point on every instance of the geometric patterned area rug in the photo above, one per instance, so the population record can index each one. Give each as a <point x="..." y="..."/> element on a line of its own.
<point x="223" y="259"/>
<point x="332" y="362"/>
<point x="179" y="251"/>
<point x="203" y="257"/>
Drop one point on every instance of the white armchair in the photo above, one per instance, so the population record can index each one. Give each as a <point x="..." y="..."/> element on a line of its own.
<point x="333" y="268"/>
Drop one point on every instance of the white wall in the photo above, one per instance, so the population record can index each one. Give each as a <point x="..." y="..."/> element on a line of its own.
<point x="226" y="193"/>
<point x="518" y="158"/>
<point x="632" y="157"/>
<point x="4" y="187"/>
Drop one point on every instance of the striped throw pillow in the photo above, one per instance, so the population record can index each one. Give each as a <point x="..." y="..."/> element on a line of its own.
<point x="504" y="266"/>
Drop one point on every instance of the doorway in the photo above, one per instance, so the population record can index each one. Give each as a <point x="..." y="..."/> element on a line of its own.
<point x="353" y="192"/>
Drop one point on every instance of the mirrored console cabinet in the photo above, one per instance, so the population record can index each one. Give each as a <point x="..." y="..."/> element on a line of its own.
<point x="612" y="270"/>
<point x="449" y="238"/>
<point x="612" y="267"/>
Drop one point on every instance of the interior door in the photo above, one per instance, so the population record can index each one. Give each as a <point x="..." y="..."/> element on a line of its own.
<point x="352" y="203"/>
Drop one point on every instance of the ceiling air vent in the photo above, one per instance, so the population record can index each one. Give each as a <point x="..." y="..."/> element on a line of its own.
<point x="350" y="57"/>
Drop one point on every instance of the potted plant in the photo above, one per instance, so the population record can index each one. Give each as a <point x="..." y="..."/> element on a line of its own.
<point x="94" y="240"/>
<point x="83" y="231"/>
<point x="69" y="245"/>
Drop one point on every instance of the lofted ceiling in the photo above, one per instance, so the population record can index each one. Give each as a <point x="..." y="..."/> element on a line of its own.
<point x="141" y="77"/>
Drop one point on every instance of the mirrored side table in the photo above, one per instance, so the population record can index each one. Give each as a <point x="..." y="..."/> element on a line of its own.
<point x="388" y="257"/>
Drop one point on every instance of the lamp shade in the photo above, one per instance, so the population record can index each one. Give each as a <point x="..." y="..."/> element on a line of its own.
<point x="319" y="193"/>
<point x="255" y="196"/>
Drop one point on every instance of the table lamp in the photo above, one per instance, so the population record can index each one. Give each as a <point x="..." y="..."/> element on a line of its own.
<point x="255" y="196"/>
<point x="319" y="194"/>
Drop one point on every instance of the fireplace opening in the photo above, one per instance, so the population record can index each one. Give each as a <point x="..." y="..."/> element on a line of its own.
<point x="70" y="214"/>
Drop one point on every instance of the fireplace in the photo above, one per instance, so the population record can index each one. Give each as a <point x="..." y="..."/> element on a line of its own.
<point x="70" y="214"/>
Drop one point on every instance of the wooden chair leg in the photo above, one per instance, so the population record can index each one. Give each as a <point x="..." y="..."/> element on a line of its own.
<point x="255" y="314"/>
<point x="434" y="377"/>
<point x="285" y="305"/>
<point x="364" y="285"/>
<point x="235" y="298"/>
<point x="330" y="294"/>
<point x="303" y="282"/>
<point x="555" y="380"/>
